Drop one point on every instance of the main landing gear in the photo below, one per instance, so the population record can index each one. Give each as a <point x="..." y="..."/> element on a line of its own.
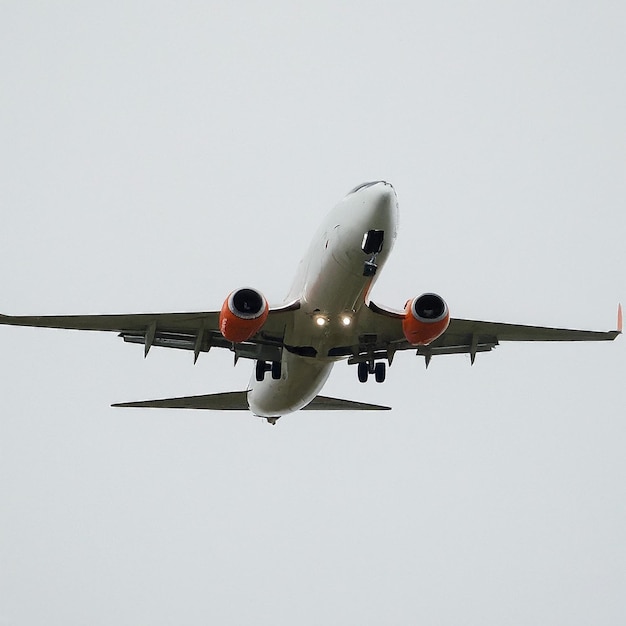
<point x="378" y="369"/>
<point x="263" y="366"/>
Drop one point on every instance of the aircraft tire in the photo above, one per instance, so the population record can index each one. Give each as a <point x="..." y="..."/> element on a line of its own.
<point x="276" y="370"/>
<point x="261" y="368"/>
<point x="380" y="372"/>
<point x="363" y="372"/>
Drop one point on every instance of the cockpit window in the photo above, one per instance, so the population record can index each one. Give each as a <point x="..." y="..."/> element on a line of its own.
<point x="363" y="186"/>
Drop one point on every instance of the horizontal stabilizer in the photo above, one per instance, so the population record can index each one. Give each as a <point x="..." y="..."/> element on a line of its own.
<point x="229" y="401"/>
<point x="238" y="401"/>
<point x="323" y="403"/>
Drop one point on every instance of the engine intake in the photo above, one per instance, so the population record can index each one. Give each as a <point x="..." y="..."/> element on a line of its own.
<point x="243" y="314"/>
<point x="425" y="319"/>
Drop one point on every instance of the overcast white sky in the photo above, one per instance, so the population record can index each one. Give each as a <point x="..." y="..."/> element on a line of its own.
<point x="156" y="155"/>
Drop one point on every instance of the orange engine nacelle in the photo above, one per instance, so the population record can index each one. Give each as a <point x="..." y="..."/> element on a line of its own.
<point x="425" y="319"/>
<point x="242" y="315"/>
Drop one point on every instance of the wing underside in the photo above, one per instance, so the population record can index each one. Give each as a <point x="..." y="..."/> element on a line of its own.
<point x="380" y="333"/>
<point x="383" y="336"/>
<point x="197" y="332"/>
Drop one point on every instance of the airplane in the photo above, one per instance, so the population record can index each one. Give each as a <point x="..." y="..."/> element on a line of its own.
<point x="326" y="317"/>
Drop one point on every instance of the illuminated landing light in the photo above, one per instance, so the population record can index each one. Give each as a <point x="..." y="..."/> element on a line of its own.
<point x="346" y="320"/>
<point x="320" y="321"/>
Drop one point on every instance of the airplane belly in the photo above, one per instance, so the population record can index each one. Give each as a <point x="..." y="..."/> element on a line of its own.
<point x="300" y="382"/>
<point x="333" y="293"/>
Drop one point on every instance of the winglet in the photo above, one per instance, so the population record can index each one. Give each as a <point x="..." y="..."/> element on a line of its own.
<point x="619" y="318"/>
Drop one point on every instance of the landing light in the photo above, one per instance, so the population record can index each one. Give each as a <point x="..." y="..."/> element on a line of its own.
<point x="320" y="321"/>
<point x="345" y="320"/>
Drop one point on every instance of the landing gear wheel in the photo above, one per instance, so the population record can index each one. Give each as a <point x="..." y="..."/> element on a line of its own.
<point x="276" y="370"/>
<point x="363" y="372"/>
<point x="261" y="368"/>
<point x="379" y="372"/>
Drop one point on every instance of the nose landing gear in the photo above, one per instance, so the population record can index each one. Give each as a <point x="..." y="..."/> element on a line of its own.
<point x="372" y="245"/>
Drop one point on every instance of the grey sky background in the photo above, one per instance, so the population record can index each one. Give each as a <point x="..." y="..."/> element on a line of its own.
<point x="155" y="156"/>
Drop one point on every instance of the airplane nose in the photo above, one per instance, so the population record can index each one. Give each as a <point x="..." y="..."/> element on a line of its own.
<point x="383" y="196"/>
<point x="377" y="201"/>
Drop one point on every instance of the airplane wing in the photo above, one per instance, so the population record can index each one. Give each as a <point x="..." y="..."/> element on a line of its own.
<point x="197" y="331"/>
<point x="383" y="335"/>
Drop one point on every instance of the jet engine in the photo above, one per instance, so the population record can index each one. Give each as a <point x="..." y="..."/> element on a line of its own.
<point x="425" y="318"/>
<point x="242" y="315"/>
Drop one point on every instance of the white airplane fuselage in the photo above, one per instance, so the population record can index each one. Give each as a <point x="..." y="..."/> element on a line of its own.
<point x="332" y="289"/>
